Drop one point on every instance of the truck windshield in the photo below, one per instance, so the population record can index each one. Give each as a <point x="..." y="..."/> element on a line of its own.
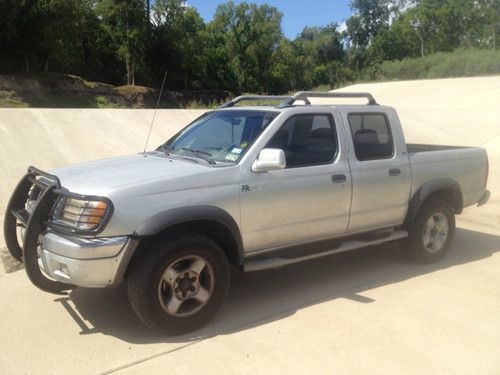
<point x="222" y="136"/>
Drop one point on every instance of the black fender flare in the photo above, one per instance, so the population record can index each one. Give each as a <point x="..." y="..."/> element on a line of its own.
<point x="156" y="223"/>
<point x="431" y="187"/>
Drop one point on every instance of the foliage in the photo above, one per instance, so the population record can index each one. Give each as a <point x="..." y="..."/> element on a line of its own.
<point x="242" y="48"/>
<point x="459" y="63"/>
<point x="249" y="34"/>
<point x="368" y="18"/>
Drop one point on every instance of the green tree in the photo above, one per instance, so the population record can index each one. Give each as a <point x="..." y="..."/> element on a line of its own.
<point x="126" y="22"/>
<point x="369" y="16"/>
<point x="241" y="49"/>
<point x="46" y="33"/>
<point x="176" y="43"/>
<point x="16" y="42"/>
<point x="444" y="25"/>
<point x="215" y="61"/>
<point x="395" y="42"/>
<point x="321" y="52"/>
<point x="487" y="22"/>
<point x="251" y="33"/>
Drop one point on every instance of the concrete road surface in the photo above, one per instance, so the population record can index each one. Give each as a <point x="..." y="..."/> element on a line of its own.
<point x="368" y="311"/>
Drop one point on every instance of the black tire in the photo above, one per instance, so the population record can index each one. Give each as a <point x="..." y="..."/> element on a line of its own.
<point x="414" y="246"/>
<point x="145" y="278"/>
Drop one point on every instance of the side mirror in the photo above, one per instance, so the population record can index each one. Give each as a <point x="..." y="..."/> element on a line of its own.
<point x="269" y="159"/>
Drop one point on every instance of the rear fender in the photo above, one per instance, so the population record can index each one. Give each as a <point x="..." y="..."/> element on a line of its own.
<point x="429" y="188"/>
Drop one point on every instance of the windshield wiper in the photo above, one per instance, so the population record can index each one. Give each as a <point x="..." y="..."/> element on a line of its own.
<point x="201" y="154"/>
<point x="166" y="149"/>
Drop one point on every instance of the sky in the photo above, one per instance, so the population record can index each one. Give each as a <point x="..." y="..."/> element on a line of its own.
<point x="296" y="13"/>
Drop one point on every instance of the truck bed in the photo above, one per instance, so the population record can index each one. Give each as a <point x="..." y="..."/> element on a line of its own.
<point x="465" y="165"/>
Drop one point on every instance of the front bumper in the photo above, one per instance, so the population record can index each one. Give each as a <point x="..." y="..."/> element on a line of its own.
<point x="56" y="261"/>
<point x="92" y="263"/>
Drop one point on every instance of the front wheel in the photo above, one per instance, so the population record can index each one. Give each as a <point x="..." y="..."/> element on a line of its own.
<point x="431" y="233"/>
<point x="180" y="284"/>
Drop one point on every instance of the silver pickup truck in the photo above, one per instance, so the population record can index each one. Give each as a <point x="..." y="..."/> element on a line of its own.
<point x="257" y="187"/>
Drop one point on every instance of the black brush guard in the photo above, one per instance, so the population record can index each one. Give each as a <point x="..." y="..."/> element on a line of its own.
<point x="35" y="223"/>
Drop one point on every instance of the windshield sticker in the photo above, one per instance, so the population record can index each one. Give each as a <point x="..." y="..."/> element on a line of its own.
<point x="244" y="144"/>
<point x="231" y="157"/>
<point x="236" y="150"/>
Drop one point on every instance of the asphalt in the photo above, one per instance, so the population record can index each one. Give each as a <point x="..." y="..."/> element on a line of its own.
<point x="367" y="311"/>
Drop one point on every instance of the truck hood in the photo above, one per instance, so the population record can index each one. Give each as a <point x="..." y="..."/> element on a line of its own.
<point x="105" y="176"/>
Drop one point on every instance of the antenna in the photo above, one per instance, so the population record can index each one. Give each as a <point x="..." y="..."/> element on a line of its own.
<point x="154" y="113"/>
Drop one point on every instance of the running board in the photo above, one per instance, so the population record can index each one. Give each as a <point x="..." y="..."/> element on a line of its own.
<point x="276" y="262"/>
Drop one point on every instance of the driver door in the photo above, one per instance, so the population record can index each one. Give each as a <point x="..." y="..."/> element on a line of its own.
<point x="308" y="200"/>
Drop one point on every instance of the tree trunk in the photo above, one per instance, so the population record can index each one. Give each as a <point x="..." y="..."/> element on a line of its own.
<point x="128" y="66"/>
<point x="133" y="74"/>
<point x="27" y="65"/>
<point x="421" y="40"/>
<point x="494" y="22"/>
<point x="494" y="34"/>
<point x="46" y="67"/>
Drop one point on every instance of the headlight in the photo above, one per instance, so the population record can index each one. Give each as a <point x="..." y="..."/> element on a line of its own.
<point x="80" y="214"/>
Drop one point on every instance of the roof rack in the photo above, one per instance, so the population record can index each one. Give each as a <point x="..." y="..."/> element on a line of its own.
<point x="241" y="98"/>
<point x="303" y="95"/>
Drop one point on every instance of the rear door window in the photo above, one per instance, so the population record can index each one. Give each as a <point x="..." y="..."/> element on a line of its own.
<point x="371" y="135"/>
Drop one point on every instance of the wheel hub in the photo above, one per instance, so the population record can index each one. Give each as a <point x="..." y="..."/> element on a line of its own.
<point x="435" y="232"/>
<point x="186" y="285"/>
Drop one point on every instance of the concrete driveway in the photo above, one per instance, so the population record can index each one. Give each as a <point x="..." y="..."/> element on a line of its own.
<point x="367" y="311"/>
<point x="363" y="312"/>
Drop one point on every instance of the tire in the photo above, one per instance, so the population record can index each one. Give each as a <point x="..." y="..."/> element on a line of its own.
<point x="167" y="290"/>
<point x="431" y="232"/>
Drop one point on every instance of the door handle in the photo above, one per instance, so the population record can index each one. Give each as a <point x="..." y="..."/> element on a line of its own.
<point x="394" y="172"/>
<point x="338" y="178"/>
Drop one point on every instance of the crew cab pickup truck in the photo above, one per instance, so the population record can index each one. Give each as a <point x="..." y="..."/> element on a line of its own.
<point x="255" y="186"/>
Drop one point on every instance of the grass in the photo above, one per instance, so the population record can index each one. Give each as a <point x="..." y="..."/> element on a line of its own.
<point x="10" y="99"/>
<point x="103" y="102"/>
<point x="323" y="88"/>
<point x="198" y="104"/>
<point x="459" y="63"/>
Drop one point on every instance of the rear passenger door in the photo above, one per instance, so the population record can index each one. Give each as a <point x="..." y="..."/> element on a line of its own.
<point x="380" y="170"/>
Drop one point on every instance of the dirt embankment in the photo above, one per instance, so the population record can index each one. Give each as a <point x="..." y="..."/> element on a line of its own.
<point x="68" y="91"/>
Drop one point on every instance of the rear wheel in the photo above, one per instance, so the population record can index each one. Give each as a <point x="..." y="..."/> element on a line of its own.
<point x="179" y="285"/>
<point x="431" y="233"/>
